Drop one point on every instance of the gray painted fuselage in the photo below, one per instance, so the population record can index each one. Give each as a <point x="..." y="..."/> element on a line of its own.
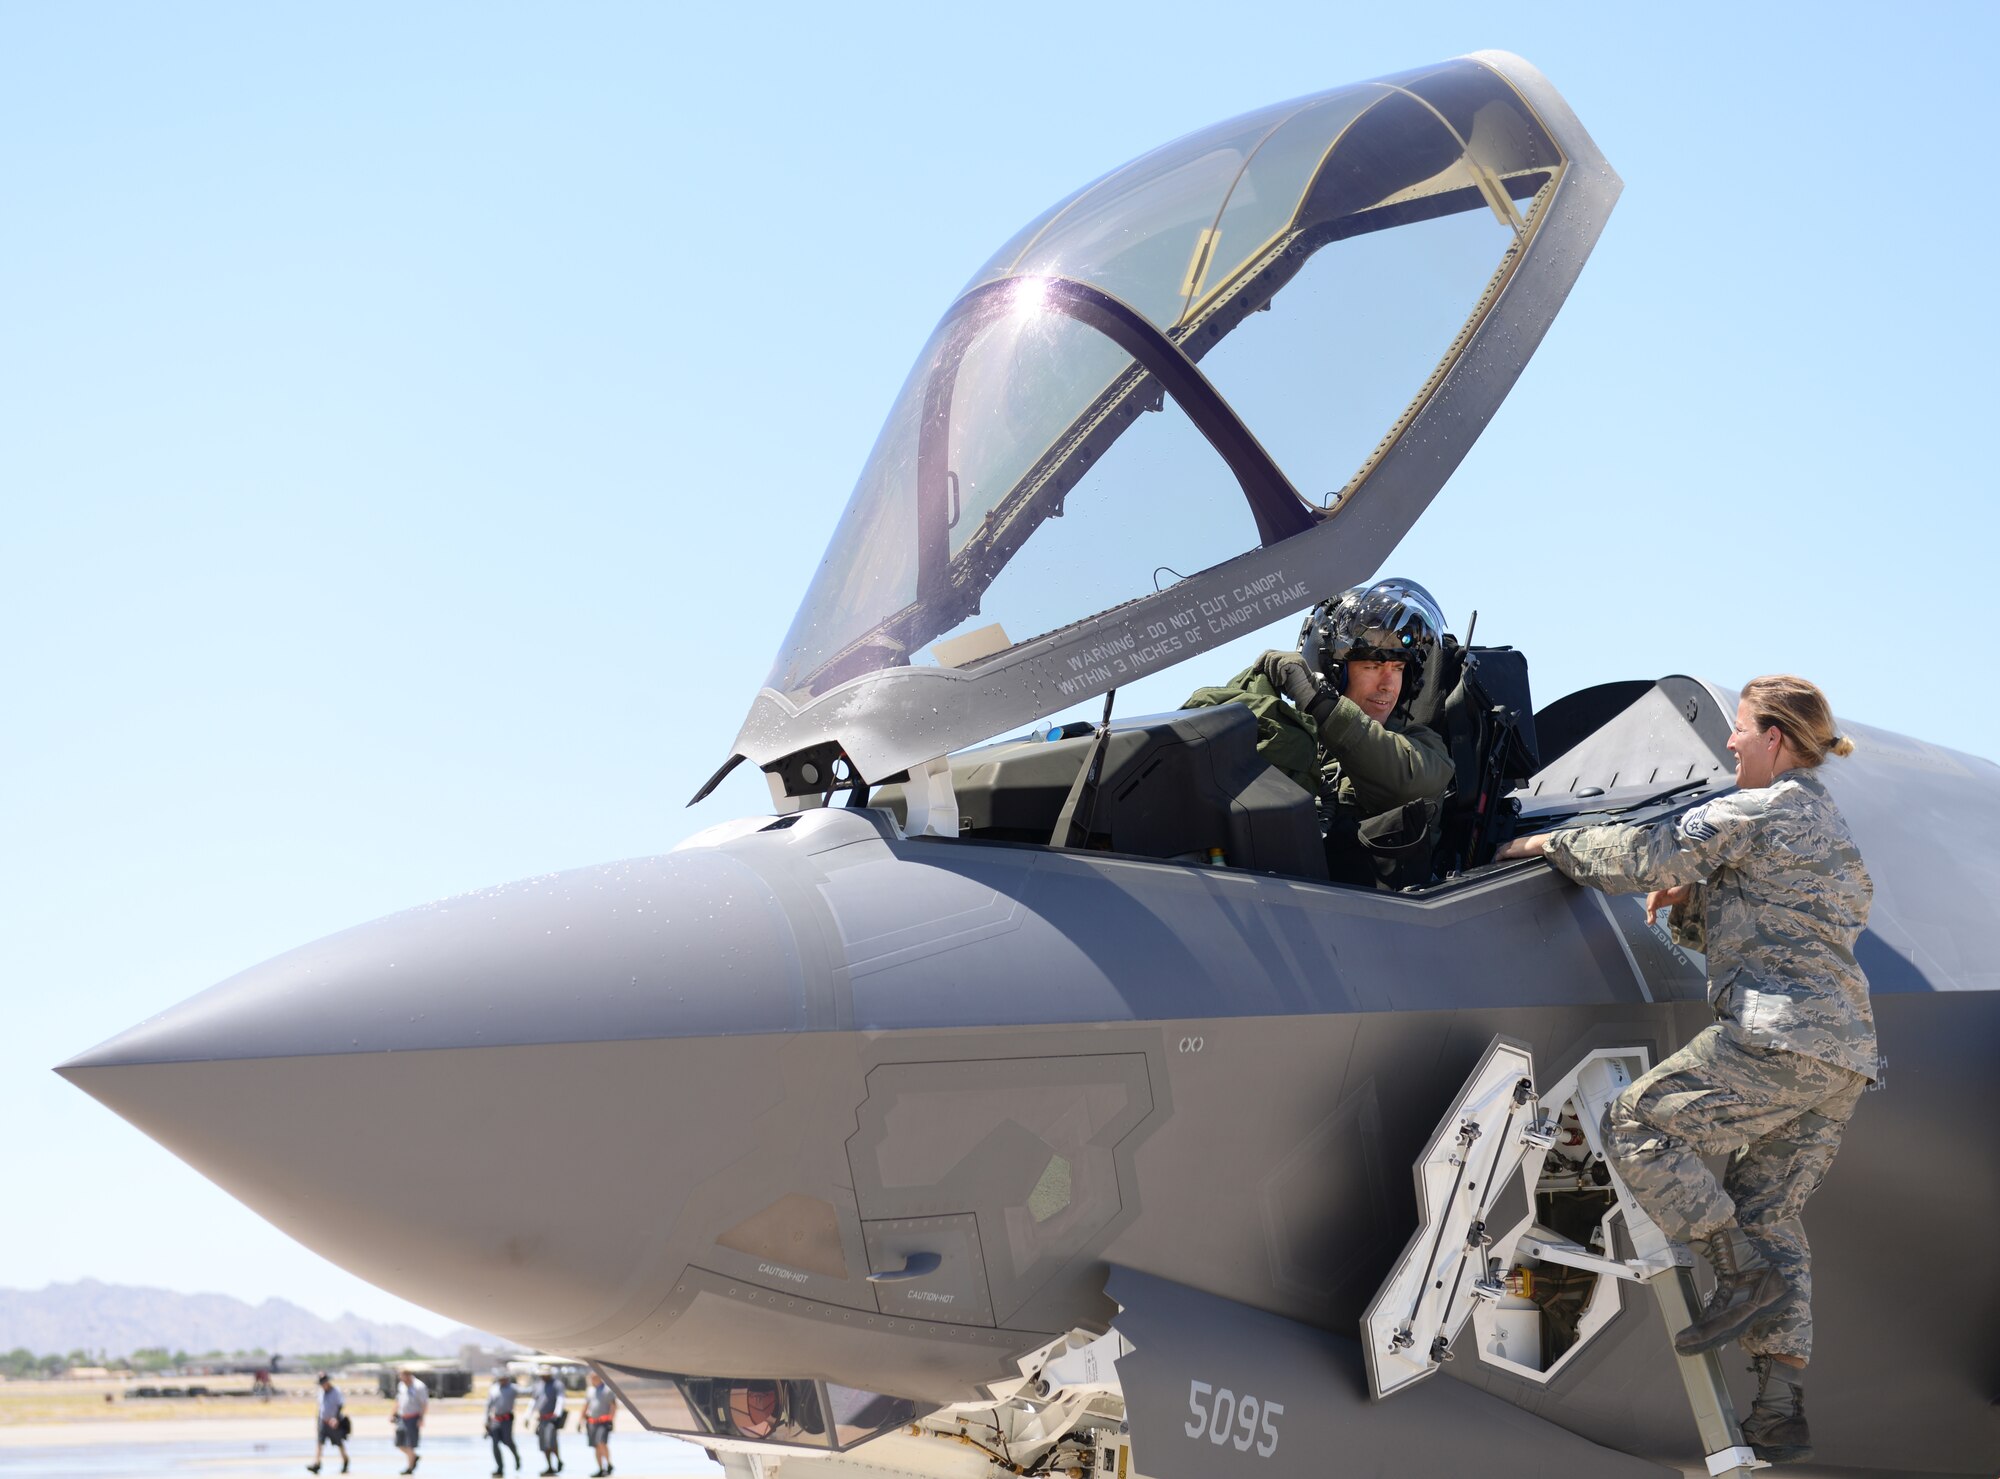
<point x="1044" y="1063"/>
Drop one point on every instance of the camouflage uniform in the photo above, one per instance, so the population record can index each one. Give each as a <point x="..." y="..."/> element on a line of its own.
<point x="1779" y="897"/>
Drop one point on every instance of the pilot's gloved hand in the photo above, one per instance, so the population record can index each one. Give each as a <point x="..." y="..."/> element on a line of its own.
<point x="1288" y="673"/>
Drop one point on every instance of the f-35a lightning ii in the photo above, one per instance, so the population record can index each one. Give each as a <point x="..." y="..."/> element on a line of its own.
<point x="1041" y="1108"/>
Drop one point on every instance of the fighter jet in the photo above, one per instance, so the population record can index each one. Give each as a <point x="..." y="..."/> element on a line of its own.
<point x="1027" y="1099"/>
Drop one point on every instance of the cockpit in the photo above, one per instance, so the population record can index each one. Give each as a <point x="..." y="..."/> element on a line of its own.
<point x="1190" y="786"/>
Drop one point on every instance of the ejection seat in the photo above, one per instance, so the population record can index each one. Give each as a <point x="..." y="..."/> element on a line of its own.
<point x="1479" y="704"/>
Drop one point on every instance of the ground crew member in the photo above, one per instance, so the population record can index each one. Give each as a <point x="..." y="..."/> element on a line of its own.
<point x="549" y="1415"/>
<point x="1350" y="739"/>
<point x="1767" y="881"/>
<point x="413" y="1400"/>
<point x="331" y="1428"/>
<point x="598" y="1412"/>
<point x="500" y="1402"/>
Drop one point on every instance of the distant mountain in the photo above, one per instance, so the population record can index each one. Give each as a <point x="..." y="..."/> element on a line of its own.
<point x="119" y="1319"/>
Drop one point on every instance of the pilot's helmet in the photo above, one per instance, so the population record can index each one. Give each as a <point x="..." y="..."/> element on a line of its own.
<point x="1390" y="621"/>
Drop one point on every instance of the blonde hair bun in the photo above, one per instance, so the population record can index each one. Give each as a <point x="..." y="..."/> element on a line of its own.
<point x="1800" y="712"/>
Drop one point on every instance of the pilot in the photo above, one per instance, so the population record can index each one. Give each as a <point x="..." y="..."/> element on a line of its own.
<point x="1768" y="883"/>
<point x="1350" y="739"/>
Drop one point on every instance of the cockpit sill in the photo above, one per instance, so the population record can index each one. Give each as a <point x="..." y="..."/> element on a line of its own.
<point x="1639" y="806"/>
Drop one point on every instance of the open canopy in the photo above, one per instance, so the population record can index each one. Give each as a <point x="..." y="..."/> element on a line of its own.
<point x="1199" y="393"/>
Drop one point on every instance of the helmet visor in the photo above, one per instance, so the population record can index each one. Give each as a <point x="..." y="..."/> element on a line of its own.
<point x="1391" y="621"/>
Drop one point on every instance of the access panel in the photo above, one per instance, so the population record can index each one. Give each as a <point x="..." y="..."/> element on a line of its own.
<point x="1429" y="1294"/>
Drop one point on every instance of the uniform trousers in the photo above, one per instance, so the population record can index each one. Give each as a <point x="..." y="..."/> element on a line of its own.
<point x="1778" y="1115"/>
<point x="500" y="1432"/>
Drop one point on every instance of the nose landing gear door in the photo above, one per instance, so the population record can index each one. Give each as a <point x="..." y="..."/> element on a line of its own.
<point x="1477" y="1148"/>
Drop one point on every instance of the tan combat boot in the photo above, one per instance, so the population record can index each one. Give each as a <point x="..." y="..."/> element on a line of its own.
<point x="1746" y="1287"/>
<point x="1776" y="1427"/>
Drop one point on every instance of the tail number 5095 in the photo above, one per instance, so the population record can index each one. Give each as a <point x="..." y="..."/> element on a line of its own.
<point x="1223" y="1418"/>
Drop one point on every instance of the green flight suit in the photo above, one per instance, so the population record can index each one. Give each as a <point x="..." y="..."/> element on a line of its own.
<point x="1285" y="737"/>
<point x="1370" y="768"/>
<point x="1362" y="768"/>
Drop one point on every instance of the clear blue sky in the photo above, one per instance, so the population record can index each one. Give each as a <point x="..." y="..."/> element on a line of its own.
<point x="417" y="425"/>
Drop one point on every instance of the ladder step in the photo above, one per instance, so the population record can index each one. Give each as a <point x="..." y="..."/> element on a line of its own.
<point x="1733" y="1461"/>
<point x="1708" y="1394"/>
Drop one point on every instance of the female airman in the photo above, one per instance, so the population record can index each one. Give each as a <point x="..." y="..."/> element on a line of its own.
<point x="1768" y="883"/>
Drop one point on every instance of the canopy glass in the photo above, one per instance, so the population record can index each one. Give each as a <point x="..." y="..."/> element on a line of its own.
<point x="1109" y="409"/>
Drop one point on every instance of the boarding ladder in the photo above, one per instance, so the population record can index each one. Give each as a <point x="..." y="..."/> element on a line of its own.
<point x="1479" y="1145"/>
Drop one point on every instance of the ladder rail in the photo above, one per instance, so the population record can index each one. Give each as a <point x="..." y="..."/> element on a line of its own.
<point x="1722" y="1444"/>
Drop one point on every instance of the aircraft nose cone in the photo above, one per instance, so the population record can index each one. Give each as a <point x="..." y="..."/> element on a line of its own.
<point x="688" y="944"/>
<point x="428" y="1099"/>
